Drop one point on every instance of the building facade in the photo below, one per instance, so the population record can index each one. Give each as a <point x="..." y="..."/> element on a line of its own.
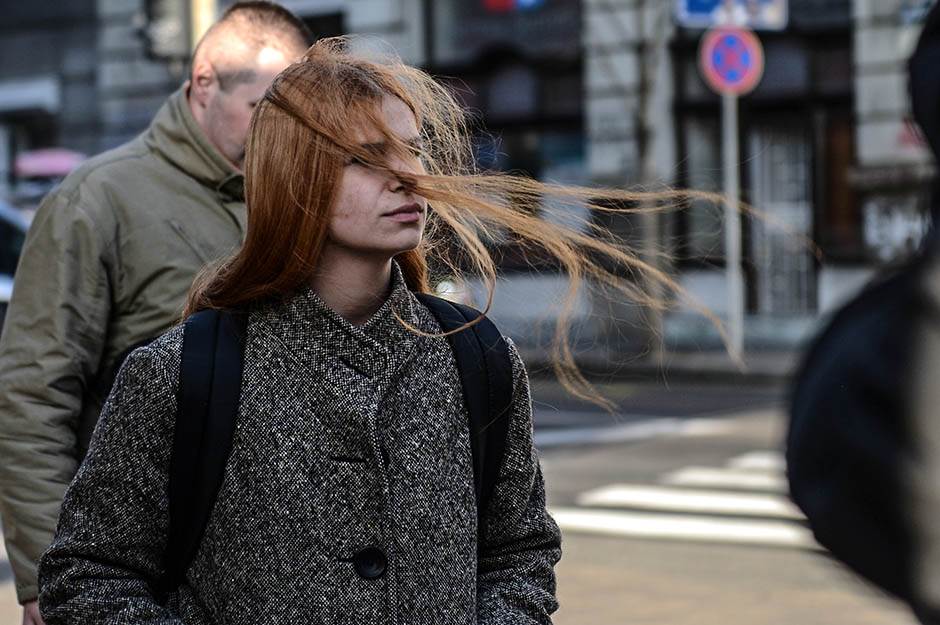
<point x="602" y="92"/>
<point x="893" y="167"/>
<point x="835" y="169"/>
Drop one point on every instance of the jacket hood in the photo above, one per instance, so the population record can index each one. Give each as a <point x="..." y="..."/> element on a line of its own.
<point x="176" y="137"/>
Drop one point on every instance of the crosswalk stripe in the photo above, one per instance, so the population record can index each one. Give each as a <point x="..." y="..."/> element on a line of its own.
<point x="691" y="501"/>
<point x="682" y="527"/>
<point x="723" y="477"/>
<point x="771" y="461"/>
<point x="638" y="430"/>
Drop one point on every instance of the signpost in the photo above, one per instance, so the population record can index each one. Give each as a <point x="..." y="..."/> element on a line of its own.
<point x="732" y="62"/>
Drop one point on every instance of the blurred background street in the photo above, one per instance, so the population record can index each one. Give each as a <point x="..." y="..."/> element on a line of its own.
<point x="599" y="92"/>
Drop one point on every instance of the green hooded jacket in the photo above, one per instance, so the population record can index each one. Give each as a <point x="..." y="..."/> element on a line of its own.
<point x="107" y="264"/>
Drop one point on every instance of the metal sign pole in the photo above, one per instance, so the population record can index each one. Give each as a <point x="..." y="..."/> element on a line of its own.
<point x="732" y="185"/>
<point x="732" y="63"/>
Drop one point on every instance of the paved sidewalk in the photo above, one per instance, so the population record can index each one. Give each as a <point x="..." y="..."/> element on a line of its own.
<point x="605" y="581"/>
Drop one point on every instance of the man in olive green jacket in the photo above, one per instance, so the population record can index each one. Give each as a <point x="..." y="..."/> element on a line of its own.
<point x="109" y="260"/>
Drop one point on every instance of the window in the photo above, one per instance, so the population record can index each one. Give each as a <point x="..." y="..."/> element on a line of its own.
<point x="839" y="229"/>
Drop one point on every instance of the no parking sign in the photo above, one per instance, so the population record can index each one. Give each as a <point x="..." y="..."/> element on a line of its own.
<point x="731" y="60"/>
<point x="732" y="63"/>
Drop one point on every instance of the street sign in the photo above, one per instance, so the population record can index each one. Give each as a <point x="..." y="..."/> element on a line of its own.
<point x="731" y="60"/>
<point x="753" y="14"/>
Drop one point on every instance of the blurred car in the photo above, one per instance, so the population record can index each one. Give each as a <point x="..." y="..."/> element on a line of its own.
<point x="13" y="226"/>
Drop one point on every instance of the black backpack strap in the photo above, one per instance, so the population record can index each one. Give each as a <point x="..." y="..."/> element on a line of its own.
<point x="486" y="378"/>
<point x="209" y="391"/>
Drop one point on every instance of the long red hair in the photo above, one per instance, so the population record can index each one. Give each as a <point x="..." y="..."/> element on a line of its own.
<point x="298" y="142"/>
<point x="302" y="134"/>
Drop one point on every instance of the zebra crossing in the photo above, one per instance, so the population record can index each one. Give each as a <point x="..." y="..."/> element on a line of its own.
<point x="742" y="502"/>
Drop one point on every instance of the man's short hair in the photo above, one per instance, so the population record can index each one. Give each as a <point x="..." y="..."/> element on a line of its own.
<point x="270" y="23"/>
<point x="260" y="24"/>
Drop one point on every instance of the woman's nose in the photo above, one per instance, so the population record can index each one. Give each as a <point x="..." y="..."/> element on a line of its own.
<point x="401" y="181"/>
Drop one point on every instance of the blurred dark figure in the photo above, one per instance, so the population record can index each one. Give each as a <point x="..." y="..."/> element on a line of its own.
<point x="863" y="450"/>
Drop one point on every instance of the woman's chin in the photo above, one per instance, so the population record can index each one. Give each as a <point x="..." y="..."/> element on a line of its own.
<point x="406" y="245"/>
<point x="386" y="250"/>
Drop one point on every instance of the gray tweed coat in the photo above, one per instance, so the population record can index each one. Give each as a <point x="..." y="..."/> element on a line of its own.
<point x="348" y="438"/>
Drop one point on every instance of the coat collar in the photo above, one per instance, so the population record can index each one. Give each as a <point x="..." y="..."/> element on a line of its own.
<point x="315" y="334"/>
<point x="175" y="135"/>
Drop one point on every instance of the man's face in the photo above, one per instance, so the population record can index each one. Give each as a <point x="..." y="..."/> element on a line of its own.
<point x="231" y="102"/>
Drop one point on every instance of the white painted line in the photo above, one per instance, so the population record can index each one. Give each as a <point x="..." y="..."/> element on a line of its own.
<point x="683" y="528"/>
<point x="638" y="430"/>
<point x="712" y="477"/>
<point x="710" y="426"/>
<point x="771" y="461"/>
<point x="693" y="501"/>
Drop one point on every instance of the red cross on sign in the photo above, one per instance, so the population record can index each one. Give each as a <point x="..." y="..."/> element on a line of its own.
<point x="731" y="60"/>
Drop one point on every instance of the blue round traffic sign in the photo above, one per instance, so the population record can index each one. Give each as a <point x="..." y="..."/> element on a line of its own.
<point x="731" y="60"/>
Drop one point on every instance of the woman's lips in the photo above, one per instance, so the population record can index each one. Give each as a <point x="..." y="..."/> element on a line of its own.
<point x="406" y="214"/>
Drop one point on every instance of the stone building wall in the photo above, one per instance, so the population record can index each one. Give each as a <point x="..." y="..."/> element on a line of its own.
<point x="894" y="166"/>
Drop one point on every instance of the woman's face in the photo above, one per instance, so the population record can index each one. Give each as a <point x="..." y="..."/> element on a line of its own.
<point x="375" y="213"/>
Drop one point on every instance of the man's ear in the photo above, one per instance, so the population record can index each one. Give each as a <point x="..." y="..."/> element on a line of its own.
<point x="201" y="82"/>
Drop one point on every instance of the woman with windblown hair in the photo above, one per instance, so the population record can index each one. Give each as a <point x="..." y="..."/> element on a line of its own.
<point x="351" y="435"/>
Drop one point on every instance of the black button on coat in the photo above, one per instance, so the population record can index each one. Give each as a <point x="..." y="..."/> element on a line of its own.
<point x="370" y="563"/>
<point x="306" y="489"/>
